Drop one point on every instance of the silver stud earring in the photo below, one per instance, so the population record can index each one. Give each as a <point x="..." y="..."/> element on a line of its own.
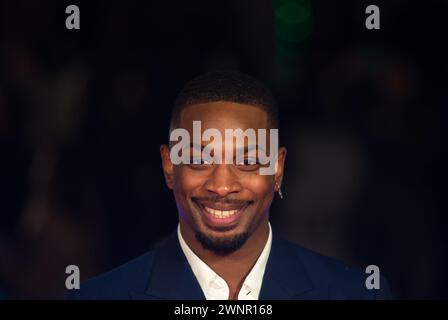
<point x="279" y="190"/>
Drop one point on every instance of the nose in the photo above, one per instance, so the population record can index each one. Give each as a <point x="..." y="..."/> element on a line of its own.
<point x="223" y="181"/>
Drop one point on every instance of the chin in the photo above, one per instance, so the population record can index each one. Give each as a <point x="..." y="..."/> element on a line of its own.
<point x="224" y="244"/>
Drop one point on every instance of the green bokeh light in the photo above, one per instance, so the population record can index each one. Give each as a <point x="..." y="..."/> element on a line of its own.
<point x="293" y="25"/>
<point x="293" y="12"/>
<point x="293" y="19"/>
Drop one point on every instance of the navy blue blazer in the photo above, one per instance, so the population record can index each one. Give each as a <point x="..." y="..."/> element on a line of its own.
<point x="292" y="272"/>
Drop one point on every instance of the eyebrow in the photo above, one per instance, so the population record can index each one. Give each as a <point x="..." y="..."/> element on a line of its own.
<point x="246" y="148"/>
<point x="250" y="148"/>
<point x="196" y="146"/>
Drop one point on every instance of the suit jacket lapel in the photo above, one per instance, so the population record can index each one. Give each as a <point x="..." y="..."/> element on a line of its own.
<point x="171" y="277"/>
<point x="285" y="276"/>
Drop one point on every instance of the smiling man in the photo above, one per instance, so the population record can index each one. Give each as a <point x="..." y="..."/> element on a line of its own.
<point x="224" y="247"/>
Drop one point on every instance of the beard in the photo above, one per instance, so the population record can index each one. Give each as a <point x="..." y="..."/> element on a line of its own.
<point x="222" y="246"/>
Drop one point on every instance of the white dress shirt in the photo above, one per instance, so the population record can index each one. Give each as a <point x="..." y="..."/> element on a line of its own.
<point x="214" y="287"/>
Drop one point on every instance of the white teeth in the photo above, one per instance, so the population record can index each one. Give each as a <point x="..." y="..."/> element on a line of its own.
<point x="220" y="213"/>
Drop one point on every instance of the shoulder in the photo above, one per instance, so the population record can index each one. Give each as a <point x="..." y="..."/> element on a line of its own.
<point x="337" y="279"/>
<point x="119" y="282"/>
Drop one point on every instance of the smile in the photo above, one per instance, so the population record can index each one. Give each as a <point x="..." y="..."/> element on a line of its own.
<point x="221" y="214"/>
<point x="217" y="214"/>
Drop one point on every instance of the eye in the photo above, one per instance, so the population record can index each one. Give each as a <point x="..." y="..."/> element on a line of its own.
<point x="201" y="161"/>
<point x="247" y="162"/>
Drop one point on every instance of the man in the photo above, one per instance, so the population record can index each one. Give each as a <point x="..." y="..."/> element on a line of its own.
<point x="224" y="246"/>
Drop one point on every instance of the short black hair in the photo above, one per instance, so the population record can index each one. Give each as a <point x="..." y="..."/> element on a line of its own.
<point x="225" y="85"/>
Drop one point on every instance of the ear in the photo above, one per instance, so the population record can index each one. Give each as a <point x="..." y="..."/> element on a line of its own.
<point x="167" y="165"/>
<point x="280" y="166"/>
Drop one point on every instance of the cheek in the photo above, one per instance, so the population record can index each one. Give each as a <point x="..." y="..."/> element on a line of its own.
<point x="185" y="181"/>
<point x="261" y="186"/>
<point x="183" y="184"/>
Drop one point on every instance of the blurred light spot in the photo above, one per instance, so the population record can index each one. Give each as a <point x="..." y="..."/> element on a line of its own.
<point x="293" y="19"/>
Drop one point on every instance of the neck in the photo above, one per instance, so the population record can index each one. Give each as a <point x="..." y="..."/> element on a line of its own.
<point x="235" y="266"/>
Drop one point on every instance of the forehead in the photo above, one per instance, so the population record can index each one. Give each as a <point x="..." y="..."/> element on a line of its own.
<point x="224" y="115"/>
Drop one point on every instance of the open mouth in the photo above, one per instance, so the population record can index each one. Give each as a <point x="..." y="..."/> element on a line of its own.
<point x="216" y="214"/>
<point x="220" y="214"/>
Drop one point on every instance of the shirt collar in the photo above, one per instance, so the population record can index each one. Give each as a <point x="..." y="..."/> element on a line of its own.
<point x="213" y="286"/>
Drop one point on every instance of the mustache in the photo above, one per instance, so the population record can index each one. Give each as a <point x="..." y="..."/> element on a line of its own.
<point x="225" y="200"/>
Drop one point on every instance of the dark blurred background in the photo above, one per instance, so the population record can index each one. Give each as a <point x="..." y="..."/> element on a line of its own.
<point x="83" y="112"/>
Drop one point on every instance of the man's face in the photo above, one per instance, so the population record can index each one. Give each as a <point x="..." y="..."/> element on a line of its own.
<point x="223" y="204"/>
